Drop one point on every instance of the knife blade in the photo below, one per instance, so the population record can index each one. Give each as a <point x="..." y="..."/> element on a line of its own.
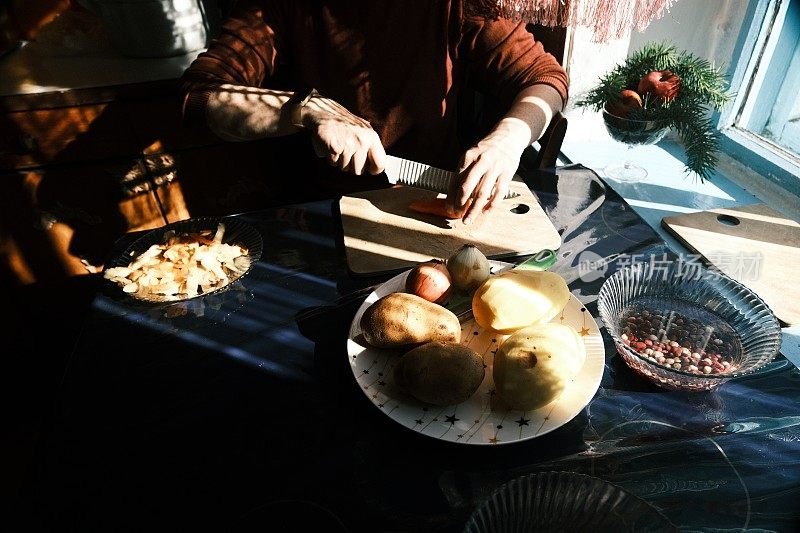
<point x="414" y="174"/>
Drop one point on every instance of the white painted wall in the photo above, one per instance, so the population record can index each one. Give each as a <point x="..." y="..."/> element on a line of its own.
<point x="706" y="28"/>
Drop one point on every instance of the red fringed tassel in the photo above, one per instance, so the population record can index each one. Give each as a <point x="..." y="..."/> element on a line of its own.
<point x="607" y="18"/>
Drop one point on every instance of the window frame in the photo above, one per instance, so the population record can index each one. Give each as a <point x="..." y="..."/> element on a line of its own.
<point x="774" y="162"/>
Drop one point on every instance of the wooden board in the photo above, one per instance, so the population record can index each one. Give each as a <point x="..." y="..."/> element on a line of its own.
<point x="758" y="247"/>
<point x="382" y="234"/>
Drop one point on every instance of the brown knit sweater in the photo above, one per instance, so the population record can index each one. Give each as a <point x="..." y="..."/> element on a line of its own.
<point x="396" y="63"/>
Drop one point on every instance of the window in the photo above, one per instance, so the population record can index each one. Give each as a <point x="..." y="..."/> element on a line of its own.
<point x="762" y="127"/>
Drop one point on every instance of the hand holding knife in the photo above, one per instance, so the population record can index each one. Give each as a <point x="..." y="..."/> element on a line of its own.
<point x="413" y="174"/>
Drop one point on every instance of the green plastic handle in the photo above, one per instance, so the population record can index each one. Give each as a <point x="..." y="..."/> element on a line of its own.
<point x="542" y="261"/>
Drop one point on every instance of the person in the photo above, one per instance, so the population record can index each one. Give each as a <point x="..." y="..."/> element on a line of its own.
<point x="386" y="76"/>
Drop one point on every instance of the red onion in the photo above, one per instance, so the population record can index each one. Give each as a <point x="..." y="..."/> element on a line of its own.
<point x="431" y="281"/>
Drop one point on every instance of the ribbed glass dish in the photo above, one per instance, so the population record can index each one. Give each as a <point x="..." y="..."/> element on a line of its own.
<point x="564" y="501"/>
<point x="692" y="306"/>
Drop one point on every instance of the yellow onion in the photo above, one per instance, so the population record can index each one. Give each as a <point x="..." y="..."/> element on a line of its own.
<point x="431" y="281"/>
<point x="468" y="268"/>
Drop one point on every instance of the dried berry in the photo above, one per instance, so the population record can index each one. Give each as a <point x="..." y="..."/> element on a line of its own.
<point x="711" y="356"/>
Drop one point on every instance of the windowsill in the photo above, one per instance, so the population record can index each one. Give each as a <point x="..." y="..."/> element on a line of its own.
<point x="781" y="172"/>
<point x="668" y="190"/>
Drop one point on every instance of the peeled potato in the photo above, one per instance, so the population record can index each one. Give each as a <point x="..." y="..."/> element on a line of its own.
<point x="516" y="299"/>
<point x="401" y="319"/>
<point x="440" y="373"/>
<point x="534" y="365"/>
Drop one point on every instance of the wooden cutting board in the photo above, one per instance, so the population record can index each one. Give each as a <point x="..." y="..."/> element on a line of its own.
<point x="753" y="244"/>
<point x="382" y="234"/>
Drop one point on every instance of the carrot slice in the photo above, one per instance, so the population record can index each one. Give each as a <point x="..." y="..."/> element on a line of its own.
<point x="438" y="207"/>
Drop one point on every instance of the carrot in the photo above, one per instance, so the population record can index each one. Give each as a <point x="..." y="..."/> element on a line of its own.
<point x="438" y="207"/>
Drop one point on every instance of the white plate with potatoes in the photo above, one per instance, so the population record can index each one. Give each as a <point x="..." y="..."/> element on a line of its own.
<point x="483" y="418"/>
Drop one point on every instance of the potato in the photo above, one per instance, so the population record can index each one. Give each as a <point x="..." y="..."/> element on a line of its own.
<point x="534" y="365"/>
<point x="516" y="299"/>
<point x="401" y="319"/>
<point x="440" y="373"/>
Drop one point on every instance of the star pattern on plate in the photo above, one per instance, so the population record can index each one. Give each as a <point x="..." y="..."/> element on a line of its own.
<point x="584" y="330"/>
<point x="365" y="366"/>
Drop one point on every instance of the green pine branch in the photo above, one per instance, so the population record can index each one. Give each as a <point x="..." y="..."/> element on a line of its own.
<point x="700" y="140"/>
<point x="703" y="87"/>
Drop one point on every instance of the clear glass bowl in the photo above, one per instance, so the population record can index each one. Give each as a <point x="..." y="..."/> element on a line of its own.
<point x="700" y="309"/>
<point x="564" y="501"/>
<point x="629" y="131"/>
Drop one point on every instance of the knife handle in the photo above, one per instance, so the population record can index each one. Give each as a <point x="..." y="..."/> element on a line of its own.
<point x="542" y="261"/>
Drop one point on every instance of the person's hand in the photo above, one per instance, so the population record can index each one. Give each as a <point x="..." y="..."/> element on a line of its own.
<point x="484" y="174"/>
<point x="487" y="168"/>
<point x="344" y="139"/>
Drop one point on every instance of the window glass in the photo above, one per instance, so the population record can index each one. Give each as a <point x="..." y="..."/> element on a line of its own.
<point x="771" y="107"/>
<point x="760" y="129"/>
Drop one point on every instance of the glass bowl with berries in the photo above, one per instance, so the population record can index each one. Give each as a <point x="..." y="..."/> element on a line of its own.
<point x="687" y="328"/>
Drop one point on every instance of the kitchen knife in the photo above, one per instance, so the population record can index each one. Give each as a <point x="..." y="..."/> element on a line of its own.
<point x="413" y="174"/>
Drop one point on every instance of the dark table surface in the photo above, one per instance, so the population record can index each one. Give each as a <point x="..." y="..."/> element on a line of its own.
<point x="239" y="410"/>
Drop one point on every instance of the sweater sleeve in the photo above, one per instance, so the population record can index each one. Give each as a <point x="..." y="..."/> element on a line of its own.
<point x="503" y="58"/>
<point x="244" y="53"/>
